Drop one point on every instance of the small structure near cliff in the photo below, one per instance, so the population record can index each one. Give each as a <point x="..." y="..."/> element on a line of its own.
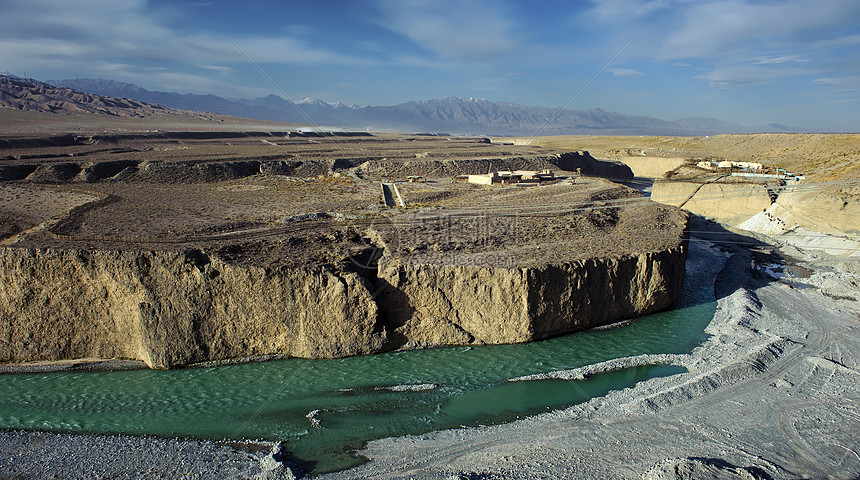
<point x="507" y="177"/>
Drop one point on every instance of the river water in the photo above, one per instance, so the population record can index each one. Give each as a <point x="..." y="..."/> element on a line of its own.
<point x="323" y="409"/>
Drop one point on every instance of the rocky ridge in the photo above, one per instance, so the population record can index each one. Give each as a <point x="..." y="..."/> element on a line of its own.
<point x="34" y="96"/>
<point x="450" y="114"/>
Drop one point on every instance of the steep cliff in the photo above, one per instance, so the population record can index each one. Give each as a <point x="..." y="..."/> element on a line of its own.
<point x="176" y="308"/>
<point x="588" y="165"/>
<point x="156" y="250"/>
<point x="833" y="212"/>
<point x="431" y="167"/>
<point x="434" y="167"/>
<point x="729" y="203"/>
<point x="453" y="305"/>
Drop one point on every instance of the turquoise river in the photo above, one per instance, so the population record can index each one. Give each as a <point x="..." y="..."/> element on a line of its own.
<point x="324" y="409"/>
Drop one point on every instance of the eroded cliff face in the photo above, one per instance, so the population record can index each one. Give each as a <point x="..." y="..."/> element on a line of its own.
<point x="170" y="308"/>
<point x="177" y="308"/>
<point x="728" y="203"/>
<point x="454" y="305"/>
<point x="324" y="288"/>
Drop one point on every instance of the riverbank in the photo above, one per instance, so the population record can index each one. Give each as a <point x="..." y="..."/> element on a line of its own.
<point x="773" y="393"/>
<point x="50" y="455"/>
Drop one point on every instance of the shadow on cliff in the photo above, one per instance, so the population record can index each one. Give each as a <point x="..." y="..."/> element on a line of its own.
<point x="749" y="255"/>
<point x="395" y="307"/>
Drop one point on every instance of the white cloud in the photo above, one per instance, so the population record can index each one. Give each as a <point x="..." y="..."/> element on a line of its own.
<point x="841" y="86"/>
<point x="451" y="28"/>
<point x="626" y="72"/>
<point x="299" y="30"/>
<point x="219" y="68"/>
<point x="839" y="42"/>
<point x="733" y="75"/>
<point x="738" y="42"/>
<point x="419" y="62"/>
<point x="274" y="50"/>
<point x="715" y="28"/>
<point x="90" y="34"/>
<point x="628" y="9"/>
<point x="779" y="60"/>
<point x="843" y="81"/>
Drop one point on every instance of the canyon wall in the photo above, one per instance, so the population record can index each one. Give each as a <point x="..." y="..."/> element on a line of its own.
<point x="449" y="304"/>
<point x="432" y="167"/>
<point x="832" y="212"/>
<point x="651" y="167"/>
<point x="171" y="309"/>
<point x="828" y="211"/>
<point x="728" y="203"/>
<point x="206" y="172"/>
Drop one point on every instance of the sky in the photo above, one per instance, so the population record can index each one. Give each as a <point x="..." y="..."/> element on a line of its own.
<point x="753" y="62"/>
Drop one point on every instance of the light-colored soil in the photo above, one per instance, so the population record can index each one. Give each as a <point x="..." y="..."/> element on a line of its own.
<point x="822" y="157"/>
<point x="827" y="200"/>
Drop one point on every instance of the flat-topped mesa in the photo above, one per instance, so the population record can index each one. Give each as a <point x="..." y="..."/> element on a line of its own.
<point x="205" y="250"/>
<point x="459" y="279"/>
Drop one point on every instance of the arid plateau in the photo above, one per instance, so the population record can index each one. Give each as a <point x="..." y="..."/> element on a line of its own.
<point x="170" y="240"/>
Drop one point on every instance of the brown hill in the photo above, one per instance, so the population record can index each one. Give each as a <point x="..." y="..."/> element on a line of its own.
<point x="28" y="106"/>
<point x="34" y="96"/>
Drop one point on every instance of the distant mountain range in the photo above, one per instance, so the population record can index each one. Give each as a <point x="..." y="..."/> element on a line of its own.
<point x="450" y="115"/>
<point x="35" y="96"/>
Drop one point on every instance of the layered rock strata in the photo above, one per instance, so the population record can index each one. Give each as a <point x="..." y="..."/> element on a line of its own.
<point x="173" y="262"/>
<point x="206" y="172"/>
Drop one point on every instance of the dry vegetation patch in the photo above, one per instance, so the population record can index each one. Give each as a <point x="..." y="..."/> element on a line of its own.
<point x="289" y="200"/>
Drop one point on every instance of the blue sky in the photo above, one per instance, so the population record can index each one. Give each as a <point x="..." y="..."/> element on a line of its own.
<point x="794" y="62"/>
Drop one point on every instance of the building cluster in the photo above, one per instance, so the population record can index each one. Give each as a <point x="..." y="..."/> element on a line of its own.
<point x="727" y="165"/>
<point x="509" y="177"/>
<point x="749" y="169"/>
